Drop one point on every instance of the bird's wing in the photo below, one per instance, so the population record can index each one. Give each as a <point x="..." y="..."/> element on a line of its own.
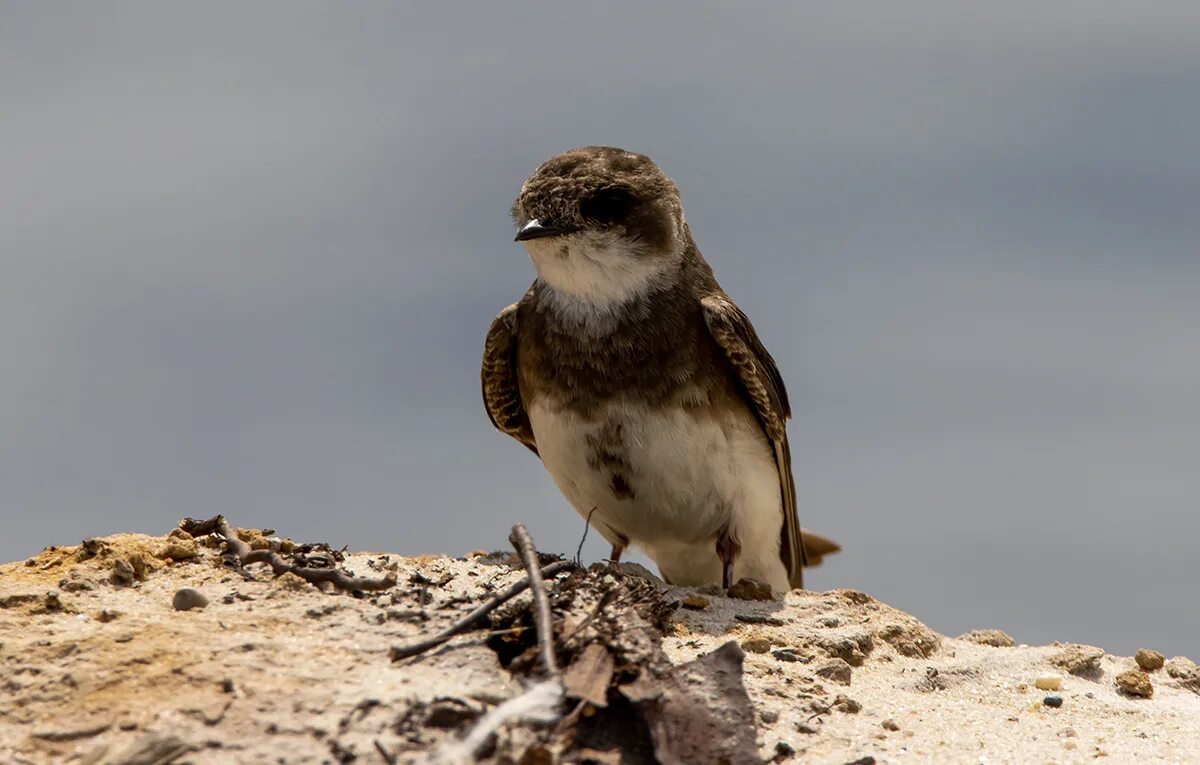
<point x="764" y="391"/>
<point x="501" y="394"/>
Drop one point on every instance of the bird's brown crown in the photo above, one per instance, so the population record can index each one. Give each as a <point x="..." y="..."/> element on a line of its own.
<point x="603" y="188"/>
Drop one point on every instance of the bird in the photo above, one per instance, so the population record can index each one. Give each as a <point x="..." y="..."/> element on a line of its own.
<point x="642" y="387"/>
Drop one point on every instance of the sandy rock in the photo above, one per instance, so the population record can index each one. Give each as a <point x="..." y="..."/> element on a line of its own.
<point x="1149" y="660"/>
<point x="751" y="589"/>
<point x="1134" y="682"/>
<point x="695" y="602"/>
<point x="1078" y="659"/>
<point x="994" y="638"/>
<point x="258" y="678"/>
<point x="756" y="645"/>
<point x="836" y="670"/>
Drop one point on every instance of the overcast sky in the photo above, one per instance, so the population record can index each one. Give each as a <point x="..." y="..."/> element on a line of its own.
<point x="249" y="252"/>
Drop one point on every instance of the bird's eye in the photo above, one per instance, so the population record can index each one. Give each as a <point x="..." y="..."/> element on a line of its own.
<point x="607" y="205"/>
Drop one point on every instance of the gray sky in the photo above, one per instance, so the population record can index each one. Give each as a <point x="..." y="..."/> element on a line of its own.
<point x="250" y="251"/>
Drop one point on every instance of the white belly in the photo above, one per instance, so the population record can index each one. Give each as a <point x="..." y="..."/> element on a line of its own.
<point x="670" y="481"/>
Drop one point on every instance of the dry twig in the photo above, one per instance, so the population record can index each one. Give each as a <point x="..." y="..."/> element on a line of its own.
<point x="399" y="652"/>
<point x="242" y="555"/>
<point x="541" y="603"/>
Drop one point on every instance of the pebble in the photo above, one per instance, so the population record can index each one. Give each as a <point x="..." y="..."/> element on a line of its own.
<point x="188" y="598"/>
<point x="1048" y="682"/>
<point x="783" y="751"/>
<point x="808" y="726"/>
<point x="788" y="654"/>
<point x="695" y="602"/>
<point x="890" y="724"/>
<point x="846" y="704"/>
<point x="1053" y="701"/>
<point x="180" y="549"/>
<point x="107" y="615"/>
<point x="769" y="716"/>
<point x="750" y="589"/>
<point x="1135" y="682"/>
<point x="1149" y="660"/>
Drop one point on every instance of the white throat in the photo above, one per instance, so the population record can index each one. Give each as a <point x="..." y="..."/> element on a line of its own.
<point x="592" y="274"/>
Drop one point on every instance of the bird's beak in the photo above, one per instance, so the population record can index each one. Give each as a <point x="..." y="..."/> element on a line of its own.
<point x="536" y="229"/>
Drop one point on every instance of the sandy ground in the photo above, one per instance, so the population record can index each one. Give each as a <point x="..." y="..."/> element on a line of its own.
<point x="278" y="671"/>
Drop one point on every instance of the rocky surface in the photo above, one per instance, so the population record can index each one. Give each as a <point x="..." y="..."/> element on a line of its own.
<point x="100" y="664"/>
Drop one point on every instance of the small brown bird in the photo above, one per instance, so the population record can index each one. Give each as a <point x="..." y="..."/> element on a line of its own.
<point x="642" y="387"/>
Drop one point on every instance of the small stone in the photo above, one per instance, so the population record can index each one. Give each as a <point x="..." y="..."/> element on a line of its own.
<point x="122" y="573"/>
<point x="808" y="726"/>
<point x="890" y="724"/>
<point x="1048" y="682"/>
<point x="1069" y="745"/>
<point x="994" y="638"/>
<point x="52" y="602"/>
<point x="107" y="615"/>
<point x="750" y="589"/>
<point x="1078" y="659"/>
<point x="1053" y="701"/>
<point x="1067" y="733"/>
<point x="695" y="602"/>
<point x="789" y="655"/>
<point x="756" y="645"/>
<point x="846" y="704"/>
<point x="1149" y="660"/>
<point x="1134" y="682"/>
<point x="769" y="716"/>
<point x="829" y="621"/>
<point x="187" y="598"/>
<point x="783" y="751"/>
<point x="836" y="670"/>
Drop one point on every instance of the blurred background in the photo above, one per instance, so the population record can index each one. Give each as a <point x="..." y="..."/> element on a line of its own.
<point x="249" y="252"/>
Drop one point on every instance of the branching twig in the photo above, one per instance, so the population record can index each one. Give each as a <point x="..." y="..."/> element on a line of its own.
<point x="399" y="652"/>
<point x="242" y="554"/>
<point x="541" y="604"/>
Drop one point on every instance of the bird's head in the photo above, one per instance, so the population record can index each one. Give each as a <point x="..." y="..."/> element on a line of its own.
<point x="602" y="225"/>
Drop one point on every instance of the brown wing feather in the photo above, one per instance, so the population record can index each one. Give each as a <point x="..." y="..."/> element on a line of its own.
<point x="501" y="394"/>
<point x="765" y="392"/>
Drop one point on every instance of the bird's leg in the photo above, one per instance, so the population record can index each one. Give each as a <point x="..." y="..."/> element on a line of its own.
<point x="618" y="547"/>
<point x="727" y="550"/>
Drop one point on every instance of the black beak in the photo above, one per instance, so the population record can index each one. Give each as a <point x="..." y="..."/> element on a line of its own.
<point x="536" y="229"/>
